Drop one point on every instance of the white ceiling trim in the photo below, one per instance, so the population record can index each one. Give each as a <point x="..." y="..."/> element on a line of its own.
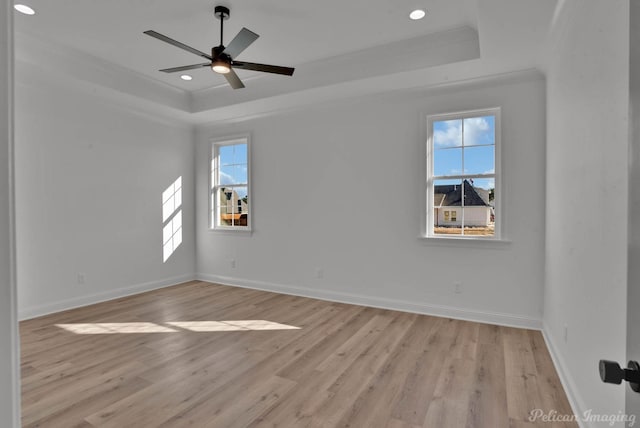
<point x="419" y="53"/>
<point x="320" y="81"/>
<point x="67" y="62"/>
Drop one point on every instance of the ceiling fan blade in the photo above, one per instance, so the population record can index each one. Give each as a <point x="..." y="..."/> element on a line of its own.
<point x="240" y="42"/>
<point x="233" y="79"/>
<point x="185" y="67"/>
<point x="177" y="44"/>
<point x="263" y="67"/>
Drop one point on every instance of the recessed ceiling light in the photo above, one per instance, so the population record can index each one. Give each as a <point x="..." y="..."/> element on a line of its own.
<point x="417" y="14"/>
<point x="186" y="77"/>
<point x="23" y="8"/>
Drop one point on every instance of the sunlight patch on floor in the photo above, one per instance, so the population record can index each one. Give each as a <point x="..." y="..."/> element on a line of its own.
<point x="174" y="327"/>
<point x="232" y="325"/>
<point x="116" y="327"/>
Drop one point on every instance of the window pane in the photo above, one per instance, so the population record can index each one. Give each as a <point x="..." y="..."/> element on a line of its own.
<point x="479" y="221"/>
<point x="487" y="184"/>
<point x="225" y="205"/>
<point x="242" y="206"/>
<point x="447" y="162"/>
<point x="227" y="173"/>
<point x="479" y="130"/>
<point x="234" y="206"/>
<point x="447" y="133"/>
<point x="233" y="154"/>
<point x="479" y="212"/>
<point x="212" y="205"/>
<point x="479" y="160"/>
<point x="447" y="211"/>
<point x="233" y="174"/>
<point x="240" y="154"/>
<point x="240" y="174"/>
<point x="226" y="155"/>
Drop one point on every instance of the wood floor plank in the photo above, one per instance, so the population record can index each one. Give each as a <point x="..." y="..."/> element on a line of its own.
<point x="314" y="355"/>
<point x="418" y="389"/>
<point x="551" y="391"/>
<point x="397" y="423"/>
<point x="375" y="405"/>
<point x="287" y="362"/>
<point x="325" y="375"/>
<point x="488" y="400"/>
<point x="449" y="407"/>
<point x="349" y="383"/>
<point x="63" y="415"/>
<point x="523" y="392"/>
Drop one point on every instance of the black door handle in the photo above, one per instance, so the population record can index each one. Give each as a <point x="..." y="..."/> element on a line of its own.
<point x="611" y="372"/>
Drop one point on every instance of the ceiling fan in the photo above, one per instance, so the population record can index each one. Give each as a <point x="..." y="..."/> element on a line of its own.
<point x="222" y="57"/>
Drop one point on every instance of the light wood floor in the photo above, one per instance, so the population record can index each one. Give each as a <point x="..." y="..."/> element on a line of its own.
<point x="188" y="356"/>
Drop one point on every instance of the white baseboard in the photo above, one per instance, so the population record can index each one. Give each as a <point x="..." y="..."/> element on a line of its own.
<point x="90" y="299"/>
<point x="509" y="320"/>
<point x="576" y="402"/>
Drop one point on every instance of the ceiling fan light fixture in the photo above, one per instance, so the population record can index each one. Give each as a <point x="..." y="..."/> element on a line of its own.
<point x="417" y="14"/>
<point x="220" y="67"/>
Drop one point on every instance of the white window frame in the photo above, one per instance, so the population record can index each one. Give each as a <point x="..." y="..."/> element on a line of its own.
<point x="214" y="211"/>
<point x="497" y="175"/>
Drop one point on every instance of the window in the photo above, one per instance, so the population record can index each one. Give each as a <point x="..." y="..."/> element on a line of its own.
<point x="463" y="152"/>
<point x="230" y="188"/>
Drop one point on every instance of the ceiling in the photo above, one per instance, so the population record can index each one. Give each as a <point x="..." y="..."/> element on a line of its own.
<point x="336" y="46"/>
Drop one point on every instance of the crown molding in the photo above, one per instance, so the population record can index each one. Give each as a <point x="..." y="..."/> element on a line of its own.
<point x="51" y="58"/>
<point x="446" y="59"/>
<point x="431" y="50"/>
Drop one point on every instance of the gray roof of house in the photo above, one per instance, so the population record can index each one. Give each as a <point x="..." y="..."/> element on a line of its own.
<point x="450" y="195"/>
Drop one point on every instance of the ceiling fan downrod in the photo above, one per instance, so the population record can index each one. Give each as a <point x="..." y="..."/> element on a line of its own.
<point x="222" y="13"/>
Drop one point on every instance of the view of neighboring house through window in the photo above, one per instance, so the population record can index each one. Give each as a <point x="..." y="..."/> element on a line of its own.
<point x="229" y="198"/>
<point x="462" y="173"/>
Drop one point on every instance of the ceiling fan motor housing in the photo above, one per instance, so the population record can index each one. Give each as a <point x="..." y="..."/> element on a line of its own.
<point x="216" y="52"/>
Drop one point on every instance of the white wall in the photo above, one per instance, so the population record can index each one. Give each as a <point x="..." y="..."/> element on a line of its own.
<point x="338" y="164"/>
<point x="9" y="389"/>
<point x="633" y="251"/>
<point x="587" y="138"/>
<point x="473" y="216"/>
<point x="89" y="181"/>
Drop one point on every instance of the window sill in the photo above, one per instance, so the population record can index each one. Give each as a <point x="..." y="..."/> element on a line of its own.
<point x="232" y="231"/>
<point x="472" y="242"/>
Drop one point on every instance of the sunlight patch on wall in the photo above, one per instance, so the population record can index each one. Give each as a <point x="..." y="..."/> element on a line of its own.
<point x="171" y="219"/>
